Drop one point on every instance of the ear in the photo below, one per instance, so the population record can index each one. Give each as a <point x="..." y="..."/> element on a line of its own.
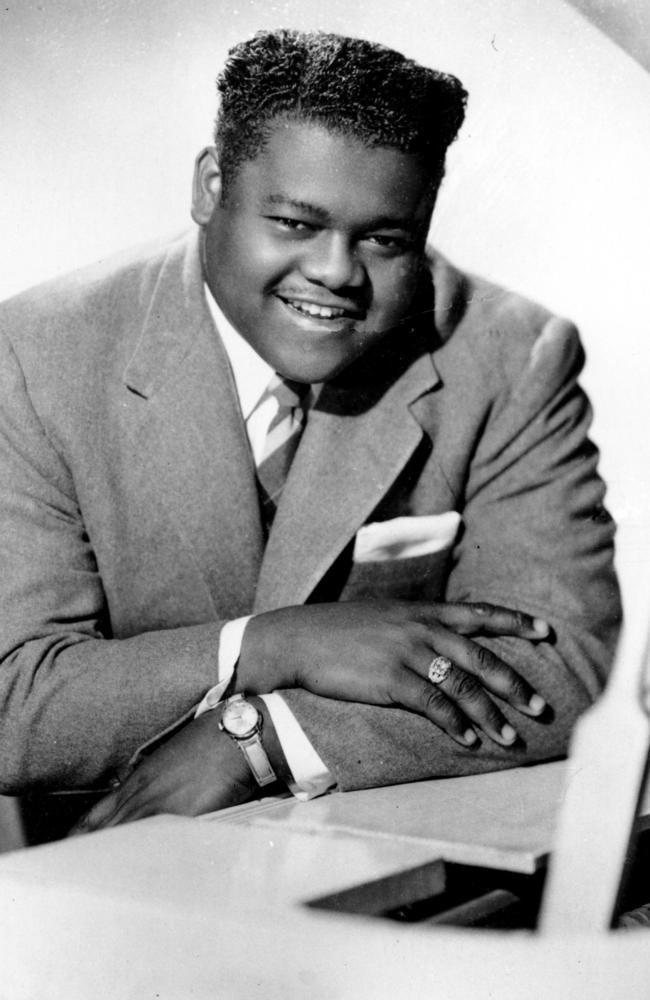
<point x="206" y="186"/>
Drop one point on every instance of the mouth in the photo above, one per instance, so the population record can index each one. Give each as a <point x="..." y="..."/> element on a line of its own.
<point x="320" y="311"/>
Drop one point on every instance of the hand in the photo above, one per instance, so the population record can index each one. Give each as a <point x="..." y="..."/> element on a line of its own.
<point x="379" y="653"/>
<point x="197" y="771"/>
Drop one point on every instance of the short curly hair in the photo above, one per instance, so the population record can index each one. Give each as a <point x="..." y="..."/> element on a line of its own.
<point x="349" y="85"/>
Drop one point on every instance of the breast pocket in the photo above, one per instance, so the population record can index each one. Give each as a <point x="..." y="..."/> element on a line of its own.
<point x="419" y="578"/>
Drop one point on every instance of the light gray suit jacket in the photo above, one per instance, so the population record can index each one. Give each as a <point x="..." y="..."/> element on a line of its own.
<point x="130" y="524"/>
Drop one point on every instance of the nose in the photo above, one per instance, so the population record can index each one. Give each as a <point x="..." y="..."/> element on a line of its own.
<point x="331" y="261"/>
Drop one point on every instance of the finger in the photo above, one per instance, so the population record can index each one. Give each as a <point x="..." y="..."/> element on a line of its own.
<point x="416" y="694"/>
<point x="96" y="817"/>
<point x="471" y="697"/>
<point x="470" y="619"/>
<point x="132" y="800"/>
<point x="498" y="620"/>
<point x="128" y="812"/>
<point x="490" y="670"/>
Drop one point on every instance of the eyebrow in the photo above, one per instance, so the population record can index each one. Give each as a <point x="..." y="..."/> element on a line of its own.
<point x="317" y="212"/>
<point x="302" y="206"/>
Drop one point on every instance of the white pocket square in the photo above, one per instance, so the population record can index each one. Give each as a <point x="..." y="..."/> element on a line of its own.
<point x="406" y="537"/>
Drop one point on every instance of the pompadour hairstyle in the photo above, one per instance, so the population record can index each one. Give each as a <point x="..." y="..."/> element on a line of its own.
<point x="349" y="85"/>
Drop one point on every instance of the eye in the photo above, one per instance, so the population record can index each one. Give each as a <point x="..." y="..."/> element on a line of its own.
<point x="290" y="225"/>
<point x="395" y="244"/>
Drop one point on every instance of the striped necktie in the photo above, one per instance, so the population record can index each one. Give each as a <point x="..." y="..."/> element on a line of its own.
<point x="281" y="442"/>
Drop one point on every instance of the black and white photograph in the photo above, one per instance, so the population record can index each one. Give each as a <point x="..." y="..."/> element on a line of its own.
<point x="324" y="499"/>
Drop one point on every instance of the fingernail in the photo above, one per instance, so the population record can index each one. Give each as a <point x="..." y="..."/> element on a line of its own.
<point x="470" y="737"/>
<point x="540" y="626"/>
<point x="537" y="704"/>
<point x="508" y="734"/>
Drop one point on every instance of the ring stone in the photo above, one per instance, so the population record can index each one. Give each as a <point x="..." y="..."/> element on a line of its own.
<point x="439" y="669"/>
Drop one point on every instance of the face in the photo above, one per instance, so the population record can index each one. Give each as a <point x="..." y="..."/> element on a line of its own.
<point x="316" y="250"/>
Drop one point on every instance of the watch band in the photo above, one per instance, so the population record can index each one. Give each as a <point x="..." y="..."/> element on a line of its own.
<point x="257" y="759"/>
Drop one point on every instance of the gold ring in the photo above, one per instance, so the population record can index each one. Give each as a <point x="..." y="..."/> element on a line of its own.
<point x="439" y="669"/>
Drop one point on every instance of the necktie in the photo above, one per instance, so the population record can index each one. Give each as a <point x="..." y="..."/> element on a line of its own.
<point x="281" y="442"/>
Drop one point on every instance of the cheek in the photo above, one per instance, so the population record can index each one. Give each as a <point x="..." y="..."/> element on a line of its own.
<point x="394" y="288"/>
<point x="263" y="262"/>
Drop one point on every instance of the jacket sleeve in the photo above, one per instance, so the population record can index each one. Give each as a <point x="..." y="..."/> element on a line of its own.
<point x="74" y="702"/>
<point x="536" y="538"/>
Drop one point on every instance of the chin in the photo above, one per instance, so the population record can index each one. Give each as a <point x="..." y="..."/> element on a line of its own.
<point x="311" y="369"/>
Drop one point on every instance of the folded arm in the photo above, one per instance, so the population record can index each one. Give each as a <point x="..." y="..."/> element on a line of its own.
<point x="535" y="538"/>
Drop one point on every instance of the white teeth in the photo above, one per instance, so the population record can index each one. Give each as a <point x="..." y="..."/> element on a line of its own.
<point x="311" y="309"/>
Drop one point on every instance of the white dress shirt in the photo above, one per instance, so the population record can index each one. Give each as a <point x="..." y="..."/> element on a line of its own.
<point x="252" y="375"/>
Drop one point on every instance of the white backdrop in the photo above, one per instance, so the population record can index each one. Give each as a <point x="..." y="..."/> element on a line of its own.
<point x="105" y="102"/>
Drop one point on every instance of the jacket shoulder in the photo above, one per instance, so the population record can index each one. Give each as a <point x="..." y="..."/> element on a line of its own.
<point x="79" y="299"/>
<point x="496" y="332"/>
<point x="74" y="336"/>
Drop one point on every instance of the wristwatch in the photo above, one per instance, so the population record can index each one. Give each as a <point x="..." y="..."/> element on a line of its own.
<point x="243" y="723"/>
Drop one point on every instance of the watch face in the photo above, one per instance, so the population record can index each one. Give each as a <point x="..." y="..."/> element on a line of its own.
<point x="240" y="718"/>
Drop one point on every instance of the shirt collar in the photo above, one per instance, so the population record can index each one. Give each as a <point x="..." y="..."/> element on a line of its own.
<point x="251" y="372"/>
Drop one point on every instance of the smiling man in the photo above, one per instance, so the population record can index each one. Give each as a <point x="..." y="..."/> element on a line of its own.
<point x="291" y="501"/>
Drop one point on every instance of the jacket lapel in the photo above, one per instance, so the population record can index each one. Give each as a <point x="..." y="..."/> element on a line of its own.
<point x="354" y="446"/>
<point x="192" y="430"/>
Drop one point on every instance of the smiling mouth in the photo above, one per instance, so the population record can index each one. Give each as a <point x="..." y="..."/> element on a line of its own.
<point x="316" y="311"/>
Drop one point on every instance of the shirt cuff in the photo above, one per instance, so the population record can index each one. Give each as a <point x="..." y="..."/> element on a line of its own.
<point x="230" y="641"/>
<point x="311" y="777"/>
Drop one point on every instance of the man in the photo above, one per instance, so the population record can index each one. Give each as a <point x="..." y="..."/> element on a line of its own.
<point x="299" y="415"/>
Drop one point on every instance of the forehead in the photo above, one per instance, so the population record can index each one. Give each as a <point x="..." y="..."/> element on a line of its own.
<point x="307" y="163"/>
